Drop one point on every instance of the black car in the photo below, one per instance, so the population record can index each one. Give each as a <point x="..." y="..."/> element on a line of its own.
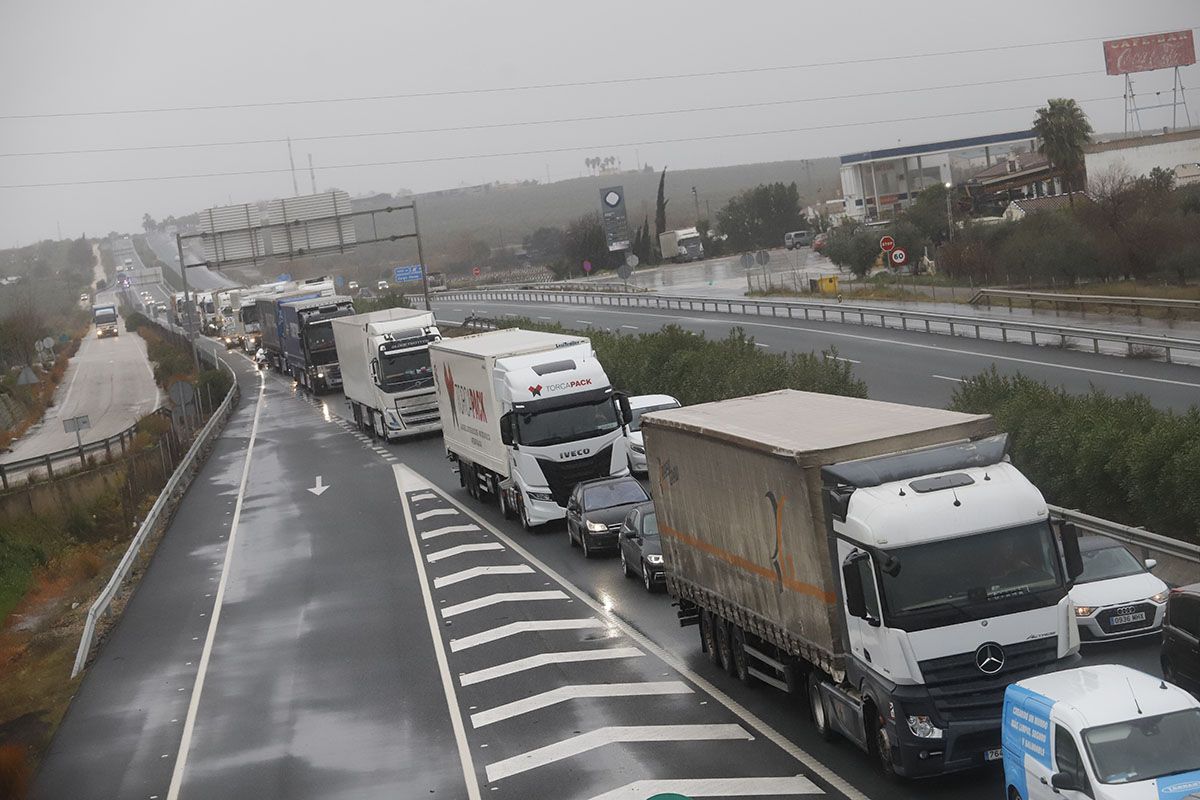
<point x="596" y="510"/>
<point x="1181" y="638"/>
<point x="641" y="550"/>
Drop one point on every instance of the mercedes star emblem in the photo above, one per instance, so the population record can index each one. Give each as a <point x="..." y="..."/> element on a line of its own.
<point x="989" y="658"/>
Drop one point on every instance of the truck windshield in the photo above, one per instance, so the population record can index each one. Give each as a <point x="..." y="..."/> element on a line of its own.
<point x="569" y="424"/>
<point x="973" y="577"/>
<point x="404" y="371"/>
<point x="249" y="314"/>
<point x="319" y="336"/>
<point x="105" y="317"/>
<point x="1146" y="748"/>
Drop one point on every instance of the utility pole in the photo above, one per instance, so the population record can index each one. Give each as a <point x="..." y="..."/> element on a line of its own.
<point x="421" y="257"/>
<point x="696" y="200"/>
<point x="950" y="209"/>
<point x="292" y="162"/>
<point x="312" y="175"/>
<point x="191" y="307"/>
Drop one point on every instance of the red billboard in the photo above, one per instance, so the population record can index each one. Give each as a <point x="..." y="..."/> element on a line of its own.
<point x="1145" y="53"/>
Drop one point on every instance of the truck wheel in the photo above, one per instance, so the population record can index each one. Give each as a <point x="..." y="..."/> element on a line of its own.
<point x="708" y="637"/>
<point x="724" y="648"/>
<point x="741" y="661"/>
<point x="524" y="512"/>
<point x="472" y="482"/>
<point x="506" y="510"/>
<point x="881" y="745"/>
<point x="816" y="708"/>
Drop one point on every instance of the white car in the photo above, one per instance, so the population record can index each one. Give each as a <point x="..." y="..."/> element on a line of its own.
<point x="1116" y="596"/>
<point x="352" y="286"/>
<point x="643" y="404"/>
<point x="382" y="286"/>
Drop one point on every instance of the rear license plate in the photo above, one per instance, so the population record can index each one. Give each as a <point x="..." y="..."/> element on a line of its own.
<point x="1125" y="619"/>
<point x="995" y="754"/>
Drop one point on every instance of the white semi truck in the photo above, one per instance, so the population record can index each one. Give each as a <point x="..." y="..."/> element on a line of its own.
<point x="526" y="416"/>
<point x="681" y="245"/>
<point x="386" y="374"/>
<point x="885" y="562"/>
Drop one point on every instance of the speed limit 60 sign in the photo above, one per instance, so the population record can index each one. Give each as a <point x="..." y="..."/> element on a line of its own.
<point x="899" y="256"/>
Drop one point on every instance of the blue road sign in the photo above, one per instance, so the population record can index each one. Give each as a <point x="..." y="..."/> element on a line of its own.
<point x="283" y="276"/>
<point x="339" y="281"/>
<point x="410" y="272"/>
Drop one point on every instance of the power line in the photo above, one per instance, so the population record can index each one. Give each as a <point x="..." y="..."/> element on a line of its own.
<point x="559" y="85"/>
<point x="573" y="148"/>
<point x="528" y="123"/>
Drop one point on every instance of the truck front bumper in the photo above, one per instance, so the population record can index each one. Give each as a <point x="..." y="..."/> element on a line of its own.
<point x="540" y="512"/>
<point x="963" y="745"/>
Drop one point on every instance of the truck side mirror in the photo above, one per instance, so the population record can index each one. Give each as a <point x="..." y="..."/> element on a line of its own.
<point x="506" y="430"/>
<point x="856" y="602"/>
<point x="375" y="370"/>
<point x="1070" y="545"/>
<point x="626" y="409"/>
<point x="1064" y="781"/>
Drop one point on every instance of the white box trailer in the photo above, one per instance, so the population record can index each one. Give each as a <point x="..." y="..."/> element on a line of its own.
<point x="386" y="373"/>
<point x="526" y="416"/>
<point x="884" y="561"/>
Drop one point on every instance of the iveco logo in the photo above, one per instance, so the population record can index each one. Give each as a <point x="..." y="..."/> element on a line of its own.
<point x="989" y="658"/>
<point x="575" y="453"/>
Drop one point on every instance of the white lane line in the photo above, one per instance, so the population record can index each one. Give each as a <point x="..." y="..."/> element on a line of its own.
<point x="435" y="512"/>
<point x="847" y="360"/>
<point x="544" y="659"/>
<point x="189" y="723"/>
<point x="479" y="572"/>
<point x="565" y="693"/>
<point x="714" y="787"/>
<point x="631" y="327"/>
<point x="760" y="344"/>
<point x="424" y="496"/>
<point x="545" y="317"/>
<point x="405" y="476"/>
<point x="448" y="529"/>
<point x="513" y="628"/>
<point x="501" y="597"/>
<point x="591" y="740"/>
<point x="782" y="742"/>
<point x="462" y="548"/>
<point x="948" y="378"/>
<point x="582" y="322"/>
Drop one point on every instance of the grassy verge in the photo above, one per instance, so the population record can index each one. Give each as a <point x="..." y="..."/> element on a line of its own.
<point x="36" y="398"/>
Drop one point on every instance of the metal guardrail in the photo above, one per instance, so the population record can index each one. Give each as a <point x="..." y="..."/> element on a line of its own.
<point x="1129" y="535"/>
<point x="896" y="318"/>
<point x="207" y="434"/>
<point x="9" y="470"/>
<point x="1056" y="299"/>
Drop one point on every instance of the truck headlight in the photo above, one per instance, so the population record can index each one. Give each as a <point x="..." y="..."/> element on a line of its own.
<point x="1161" y="597"/>
<point x="922" y="727"/>
<point x="654" y="559"/>
<point x="596" y="527"/>
<point x="320" y="374"/>
<point x="637" y="448"/>
<point x="541" y="497"/>
<point x="1084" y="611"/>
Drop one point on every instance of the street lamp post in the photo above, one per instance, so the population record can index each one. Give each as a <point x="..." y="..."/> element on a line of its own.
<point x="949" y="209"/>
<point x="189" y="324"/>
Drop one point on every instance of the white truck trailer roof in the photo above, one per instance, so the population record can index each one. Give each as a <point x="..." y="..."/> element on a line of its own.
<point x="507" y="342"/>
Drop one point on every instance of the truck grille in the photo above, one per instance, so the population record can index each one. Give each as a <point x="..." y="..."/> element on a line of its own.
<point x="423" y="412"/>
<point x="562" y="476"/>
<point x="960" y="691"/>
<point x="1104" y="618"/>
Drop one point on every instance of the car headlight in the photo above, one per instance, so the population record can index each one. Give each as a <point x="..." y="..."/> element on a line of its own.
<point x="654" y="559"/>
<point x="1084" y="611"/>
<point x="637" y="448"/>
<point x="596" y="527"/>
<point x="320" y="374"/>
<point x="1161" y="597"/>
<point x="922" y="727"/>
<point x="542" y="497"/>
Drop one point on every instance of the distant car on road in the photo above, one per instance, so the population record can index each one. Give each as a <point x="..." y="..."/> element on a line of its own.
<point x="596" y="510"/>
<point x="641" y="550"/>
<point x="643" y="404"/>
<point x="84" y="297"/>
<point x="352" y="286"/>
<point x="1181" y="638"/>
<point x="1116" y="596"/>
<point x="796" y="239"/>
<point x="382" y="286"/>
<point x="819" y="241"/>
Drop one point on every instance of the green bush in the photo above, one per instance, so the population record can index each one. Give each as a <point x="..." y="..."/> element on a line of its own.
<point x="696" y="369"/>
<point x="213" y="383"/>
<point x="1114" y="457"/>
<point x="135" y="320"/>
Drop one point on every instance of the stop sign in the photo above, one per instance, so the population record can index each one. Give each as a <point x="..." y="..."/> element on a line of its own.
<point x="475" y="272"/>
<point x="887" y="244"/>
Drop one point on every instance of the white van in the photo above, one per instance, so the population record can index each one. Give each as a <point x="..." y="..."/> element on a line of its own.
<point x="1105" y="732"/>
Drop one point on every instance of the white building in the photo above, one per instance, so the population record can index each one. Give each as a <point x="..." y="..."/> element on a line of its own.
<point x="1137" y="156"/>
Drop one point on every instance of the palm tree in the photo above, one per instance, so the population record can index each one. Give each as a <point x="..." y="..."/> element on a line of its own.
<point x="1064" y="130"/>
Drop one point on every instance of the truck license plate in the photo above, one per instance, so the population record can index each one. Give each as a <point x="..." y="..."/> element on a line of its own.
<point x="995" y="754"/>
<point x="1125" y="619"/>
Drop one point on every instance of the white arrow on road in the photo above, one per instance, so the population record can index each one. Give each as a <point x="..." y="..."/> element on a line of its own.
<point x="319" y="489"/>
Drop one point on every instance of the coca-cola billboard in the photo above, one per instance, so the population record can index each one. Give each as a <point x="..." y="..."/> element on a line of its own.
<point x="1144" y="53"/>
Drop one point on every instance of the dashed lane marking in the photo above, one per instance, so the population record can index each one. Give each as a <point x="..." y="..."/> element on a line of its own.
<point x="948" y="378"/>
<point x="462" y="548"/>
<point x="592" y="740"/>
<point x="479" y="572"/>
<point x="564" y="693"/>
<point x="545" y="659"/>
<point x="425" y="496"/>
<point x="501" y="597"/>
<point x="714" y="787"/>
<point x="513" y="628"/>
<point x="436" y="512"/>
<point x="427" y="535"/>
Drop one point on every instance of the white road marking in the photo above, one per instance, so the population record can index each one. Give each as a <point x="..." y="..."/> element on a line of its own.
<point x="404" y="476"/>
<point x="448" y="529"/>
<point x="479" y="572"/>
<point x="435" y="512"/>
<point x="544" y="659"/>
<point x="582" y="322"/>
<point x="501" y="597"/>
<point x="319" y="488"/>
<point x="631" y="327"/>
<point x="591" y="740"/>
<point x="513" y="628"/>
<point x="847" y="360"/>
<point x="462" y="548"/>
<point x="948" y="378"/>
<point x="565" y="693"/>
<point x="425" y="496"/>
<point x="752" y="719"/>
<point x="760" y="344"/>
<point x="714" y="787"/>
<point x="545" y="317"/>
<point x="206" y="653"/>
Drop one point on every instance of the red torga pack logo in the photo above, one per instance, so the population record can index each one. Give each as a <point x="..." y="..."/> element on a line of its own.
<point x="470" y="402"/>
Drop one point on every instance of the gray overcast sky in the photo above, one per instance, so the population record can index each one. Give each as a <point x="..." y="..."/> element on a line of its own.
<point x="59" y="56"/>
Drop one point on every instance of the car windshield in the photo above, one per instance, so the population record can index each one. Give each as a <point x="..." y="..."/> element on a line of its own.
<point x="1145" y="748"/>
<point x="1108" y="562"/>
<point x="618" y="493"/>
<point x="987" y="567"/>
<point x="636" y="423"/>
<point x="567" y="424"/>
<point x="400" y="372"/>
<point x="650" y="525"/>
